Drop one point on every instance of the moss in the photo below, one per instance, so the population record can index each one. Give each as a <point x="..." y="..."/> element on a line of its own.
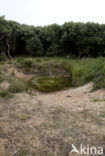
<point x="50" y="84"/>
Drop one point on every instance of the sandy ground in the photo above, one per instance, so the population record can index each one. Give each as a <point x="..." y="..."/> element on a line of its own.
<point x="47" y="124"/>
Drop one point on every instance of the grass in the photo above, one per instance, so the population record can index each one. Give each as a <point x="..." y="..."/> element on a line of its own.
<point x="23" y="152"/>
<point x="102" y="114"/>
<point x="80" y="71"/>
<point x="87" y="114"/>
<point x="6" y="94"/>
<point x="1" y="78"/>
<point x="26" y="63"/>
<point x="3" y="57"/>
<point x="58" y="117"/>
<point x="62" y="121"/>
<point x="1" y="74"/>
<point x="23" y="117"/>
<point x="98" y="100"/>
<point x="12" y="73"/>
<point x="18" y="86"/>
<point x="15" y="86"/>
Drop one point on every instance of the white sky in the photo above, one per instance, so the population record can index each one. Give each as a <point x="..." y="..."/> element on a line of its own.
<point x="44" y="12"/>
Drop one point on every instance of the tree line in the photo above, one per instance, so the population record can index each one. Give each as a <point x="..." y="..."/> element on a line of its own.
<point x="70" y="39"/>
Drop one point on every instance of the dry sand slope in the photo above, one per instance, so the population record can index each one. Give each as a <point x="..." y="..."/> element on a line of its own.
<point x="47" y="124"/>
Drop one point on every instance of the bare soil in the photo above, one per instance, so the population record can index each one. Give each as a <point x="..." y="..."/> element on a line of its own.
<point x="47" y="124"/>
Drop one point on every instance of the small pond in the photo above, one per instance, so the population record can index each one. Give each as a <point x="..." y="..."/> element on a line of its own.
<point x="50" y="84"/>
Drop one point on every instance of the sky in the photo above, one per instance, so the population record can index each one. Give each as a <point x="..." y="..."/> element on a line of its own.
<point x="45" y="12"/>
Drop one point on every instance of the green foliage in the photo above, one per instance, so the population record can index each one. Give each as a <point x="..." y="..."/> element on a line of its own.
<point x="87" y="70"/>
<point x="34" y="46"/>
<point x="53" y="50"/>
<point x="69" y="39"/>
<point x="81" y="71"/>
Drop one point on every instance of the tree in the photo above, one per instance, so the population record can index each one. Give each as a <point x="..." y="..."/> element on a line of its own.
<point x="73" y="39"/>
<point x="34" y="46"/>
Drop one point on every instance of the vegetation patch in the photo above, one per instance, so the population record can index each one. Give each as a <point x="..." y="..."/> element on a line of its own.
<point x="98" y="100"/>
<point x="23" y="152"/>
<point x="23" y="117"/>
<point x="18" y="86"/>
<point x="6" y="94"/>
<point x="79" y="71"/>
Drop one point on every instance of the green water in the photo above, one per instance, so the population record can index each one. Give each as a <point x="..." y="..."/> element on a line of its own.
<point x="50" y="84"/>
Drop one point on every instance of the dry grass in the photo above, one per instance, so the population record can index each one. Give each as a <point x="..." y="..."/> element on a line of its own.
<point x="47" y="124"/>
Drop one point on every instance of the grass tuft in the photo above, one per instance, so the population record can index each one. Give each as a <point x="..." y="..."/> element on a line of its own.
<point x="23" y="117"/>
<point x="6" y="94"/>
<point x="18" y="86"/>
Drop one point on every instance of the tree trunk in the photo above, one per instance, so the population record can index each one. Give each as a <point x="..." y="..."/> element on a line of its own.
<point x="8" y="50"/>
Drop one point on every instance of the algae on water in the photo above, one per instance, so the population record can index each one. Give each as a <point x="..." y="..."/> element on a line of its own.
<point x="50" y="84"/>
